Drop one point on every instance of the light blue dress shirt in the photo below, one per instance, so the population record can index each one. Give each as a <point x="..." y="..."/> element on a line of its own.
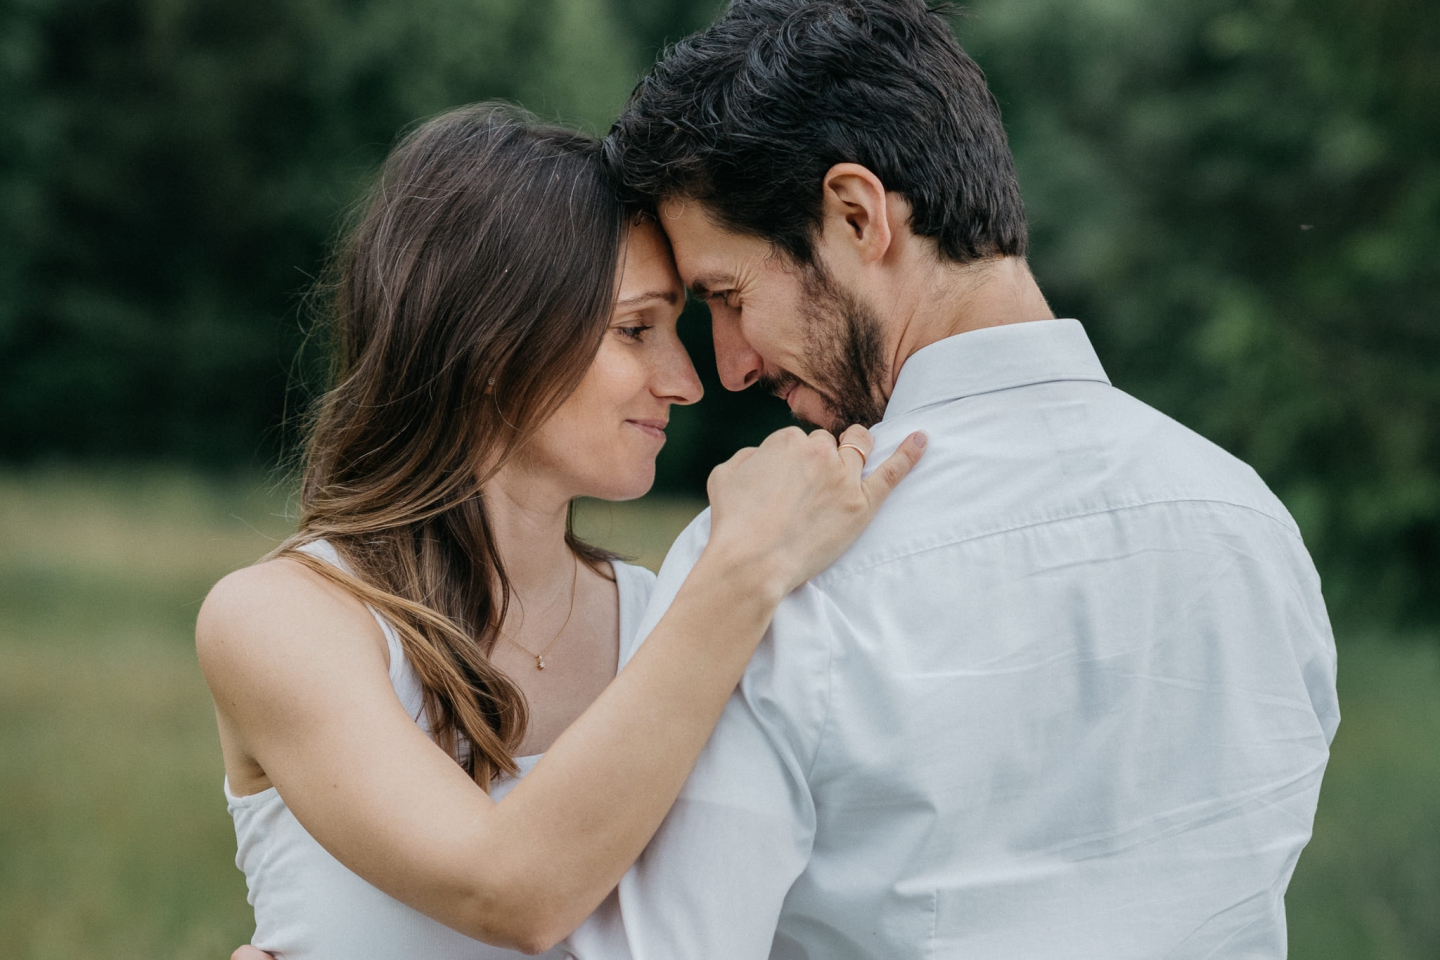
<point x="1070" y="696"/>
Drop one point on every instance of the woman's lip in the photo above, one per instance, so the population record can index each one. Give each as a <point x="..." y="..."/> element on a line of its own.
<point x="656" y="428"/>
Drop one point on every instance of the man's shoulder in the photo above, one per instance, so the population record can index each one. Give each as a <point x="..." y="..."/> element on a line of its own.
<point x="1164" y="460"/>
<point x="1002" y="464"/>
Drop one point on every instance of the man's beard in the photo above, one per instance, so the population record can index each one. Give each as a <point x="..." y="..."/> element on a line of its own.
<point x="845" y="347"/>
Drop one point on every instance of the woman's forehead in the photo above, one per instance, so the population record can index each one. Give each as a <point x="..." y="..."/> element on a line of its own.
<point x="648" y="268"/>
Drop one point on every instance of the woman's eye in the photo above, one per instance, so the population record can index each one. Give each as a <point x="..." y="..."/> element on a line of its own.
<point x="635" y="332"/>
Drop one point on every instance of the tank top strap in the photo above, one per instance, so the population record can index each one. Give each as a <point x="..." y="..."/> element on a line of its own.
<point x="402" y="674"/>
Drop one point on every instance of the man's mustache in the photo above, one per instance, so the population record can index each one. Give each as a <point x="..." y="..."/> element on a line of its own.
<point x="778" y="384"/>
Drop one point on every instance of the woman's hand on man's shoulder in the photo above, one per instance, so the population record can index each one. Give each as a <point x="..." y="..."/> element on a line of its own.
<point x="787" y="509"/>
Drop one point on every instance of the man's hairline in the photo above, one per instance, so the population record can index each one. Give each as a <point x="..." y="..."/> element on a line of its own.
<point x="654" y="202"/>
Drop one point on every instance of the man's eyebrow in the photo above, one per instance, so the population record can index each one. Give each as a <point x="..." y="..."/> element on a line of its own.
<point x="668" y="296"/>
<point x="701" y="286"/>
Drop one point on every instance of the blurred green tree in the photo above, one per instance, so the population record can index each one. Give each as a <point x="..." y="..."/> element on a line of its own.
<point x="1241" y="198"/>
<point x="172" y="171"/>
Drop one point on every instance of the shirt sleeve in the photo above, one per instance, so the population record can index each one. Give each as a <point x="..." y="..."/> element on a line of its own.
<point x="712" y="881"/>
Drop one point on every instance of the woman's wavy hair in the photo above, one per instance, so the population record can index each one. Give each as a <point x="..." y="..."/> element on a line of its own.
<point x="468" y="300"/>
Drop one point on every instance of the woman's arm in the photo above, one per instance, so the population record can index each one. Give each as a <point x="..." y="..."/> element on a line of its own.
<point x="295" y="691"/>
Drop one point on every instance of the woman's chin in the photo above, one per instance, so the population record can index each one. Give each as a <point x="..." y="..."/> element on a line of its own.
<point x="626" y="485"/>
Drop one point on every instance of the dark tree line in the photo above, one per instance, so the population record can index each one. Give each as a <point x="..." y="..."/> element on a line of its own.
<point x="1241" y="199"/>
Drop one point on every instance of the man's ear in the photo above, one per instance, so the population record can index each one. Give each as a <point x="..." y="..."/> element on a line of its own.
<point x="856" y="211"/>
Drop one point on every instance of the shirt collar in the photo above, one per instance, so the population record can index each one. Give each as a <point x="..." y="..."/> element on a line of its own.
<point x="995" y="358"/>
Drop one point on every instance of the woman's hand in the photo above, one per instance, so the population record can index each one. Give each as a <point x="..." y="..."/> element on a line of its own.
<point x="787" y="509"/>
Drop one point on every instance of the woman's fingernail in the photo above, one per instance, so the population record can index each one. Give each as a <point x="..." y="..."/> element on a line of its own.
<point x="921" y="439"/>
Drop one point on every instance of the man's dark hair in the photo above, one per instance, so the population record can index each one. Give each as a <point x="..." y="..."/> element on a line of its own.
<point x="748" y="115"/>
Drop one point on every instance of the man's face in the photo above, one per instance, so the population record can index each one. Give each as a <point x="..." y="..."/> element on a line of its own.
<point x="794" y="330"/>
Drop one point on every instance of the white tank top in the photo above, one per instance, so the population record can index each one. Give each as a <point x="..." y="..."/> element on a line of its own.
<point x="308" y="906"/>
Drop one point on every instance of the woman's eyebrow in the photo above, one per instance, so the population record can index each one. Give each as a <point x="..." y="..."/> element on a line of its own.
<point x="669" y="296"/>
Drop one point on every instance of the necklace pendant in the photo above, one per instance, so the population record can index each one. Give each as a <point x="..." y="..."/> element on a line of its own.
<point x="539" y="663"/>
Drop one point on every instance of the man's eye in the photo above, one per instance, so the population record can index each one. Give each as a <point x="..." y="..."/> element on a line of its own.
<point x="729" y="298"/>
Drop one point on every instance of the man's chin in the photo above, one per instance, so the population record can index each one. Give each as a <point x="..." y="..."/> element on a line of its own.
<point x="807" y="424"/>
<point x="817" y="410"/>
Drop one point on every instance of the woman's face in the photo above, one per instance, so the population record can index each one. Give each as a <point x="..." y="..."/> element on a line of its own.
<point x="603" y="439"/>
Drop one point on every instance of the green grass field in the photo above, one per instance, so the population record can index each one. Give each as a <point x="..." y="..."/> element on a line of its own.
<point x="115" y="843"/>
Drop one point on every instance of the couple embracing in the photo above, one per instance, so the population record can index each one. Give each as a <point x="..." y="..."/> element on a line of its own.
<point x="998" y="663"/>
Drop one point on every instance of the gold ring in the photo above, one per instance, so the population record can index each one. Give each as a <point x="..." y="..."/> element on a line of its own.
<point x="863" y="459"/>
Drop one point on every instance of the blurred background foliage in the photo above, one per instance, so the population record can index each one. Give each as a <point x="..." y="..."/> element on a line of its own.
<point x="1243" y="202"/>
<point x="1240" y="198"/>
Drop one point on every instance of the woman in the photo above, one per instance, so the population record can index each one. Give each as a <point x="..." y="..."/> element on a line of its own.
<point x="506" y="342"/>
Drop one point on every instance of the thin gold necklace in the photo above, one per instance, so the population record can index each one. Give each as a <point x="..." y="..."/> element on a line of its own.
<point x="540" y="657"/>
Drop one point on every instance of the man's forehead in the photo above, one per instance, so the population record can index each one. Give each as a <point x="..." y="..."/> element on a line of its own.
<point x="709" y="256"/>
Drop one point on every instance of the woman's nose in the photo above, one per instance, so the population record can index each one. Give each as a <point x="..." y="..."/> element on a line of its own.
<point x="676" y="379"/>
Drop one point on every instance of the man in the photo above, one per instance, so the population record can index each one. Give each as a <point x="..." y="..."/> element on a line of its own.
<point x="1072" y="693"/>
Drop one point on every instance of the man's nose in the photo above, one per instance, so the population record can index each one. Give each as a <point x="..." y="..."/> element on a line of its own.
<point x="736" y="361"/>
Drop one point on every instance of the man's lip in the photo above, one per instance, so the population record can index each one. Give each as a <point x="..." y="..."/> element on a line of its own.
<point x="794" y="401"/>
<point x="809" y="408"/>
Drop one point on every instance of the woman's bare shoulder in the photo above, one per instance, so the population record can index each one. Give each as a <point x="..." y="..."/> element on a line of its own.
<point x="278" y="605"/>
<point x="291" y="659"/>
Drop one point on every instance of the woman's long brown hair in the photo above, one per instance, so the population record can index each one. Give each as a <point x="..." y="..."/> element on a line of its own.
<point x="468" y="302"/>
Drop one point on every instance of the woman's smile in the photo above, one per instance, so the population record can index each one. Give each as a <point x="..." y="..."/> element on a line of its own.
<point x="651" y="428"/>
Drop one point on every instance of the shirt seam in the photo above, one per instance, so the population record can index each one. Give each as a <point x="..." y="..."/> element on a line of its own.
<point x="824" y="581"/>
<point x="1001" y="388"/>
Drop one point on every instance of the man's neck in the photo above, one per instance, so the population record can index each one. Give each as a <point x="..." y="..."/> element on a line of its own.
<point x="958" y="299"/>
